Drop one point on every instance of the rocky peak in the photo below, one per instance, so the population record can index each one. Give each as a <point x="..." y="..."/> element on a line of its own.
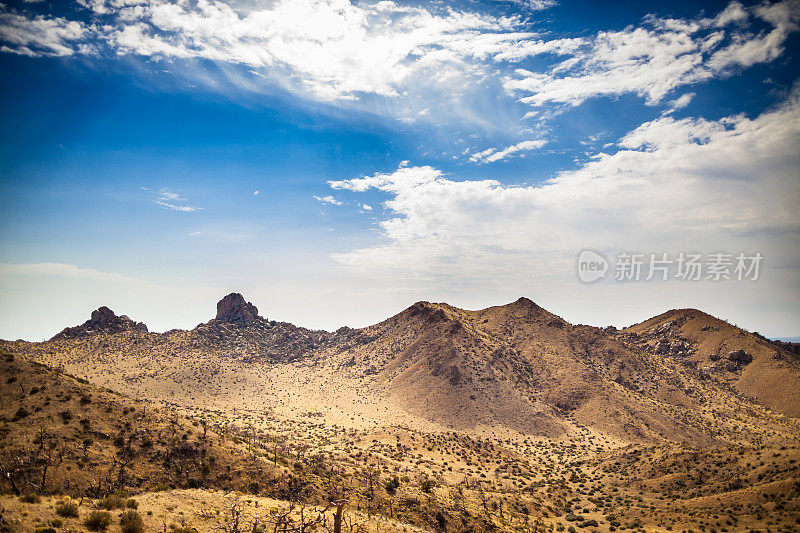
<point x="103" y="321"/>
<point x="102" y="315"/>
<point x="234" y="309"/>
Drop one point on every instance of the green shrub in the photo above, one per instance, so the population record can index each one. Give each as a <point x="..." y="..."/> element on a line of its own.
<point x="67" y="509"/>
<point x="98" y="520"/>
<point x="132" y="504"/>
<point x="30" y="498"/>
<point x="20" y="414"/>
<point x="427" y="486"/>
<point x="56" y="522"/>
<point x="45" y="529"/>
<point x="131" y="522"/>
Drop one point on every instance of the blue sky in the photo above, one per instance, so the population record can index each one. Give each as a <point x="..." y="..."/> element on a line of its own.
<point x="337" y="161"/>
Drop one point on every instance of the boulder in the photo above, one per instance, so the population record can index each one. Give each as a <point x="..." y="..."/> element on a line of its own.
<point x="739" y="357"/>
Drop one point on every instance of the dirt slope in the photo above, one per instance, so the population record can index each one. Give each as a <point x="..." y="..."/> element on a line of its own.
<point x="750" y="363"/>
<point x="522" y="367"/>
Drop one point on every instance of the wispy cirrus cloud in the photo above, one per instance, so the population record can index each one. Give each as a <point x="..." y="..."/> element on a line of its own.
<point x="327" y="200"/>
<point x="64" y="270"/>
<point x="535" y="5"/>
<point x="491" y="155"/>
<point x="172" y="201"/>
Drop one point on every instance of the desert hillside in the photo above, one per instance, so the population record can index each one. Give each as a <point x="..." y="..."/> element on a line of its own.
<point x="437" y="418"/>
<point x="512" y="368"/>
<point x="758" y="368"/>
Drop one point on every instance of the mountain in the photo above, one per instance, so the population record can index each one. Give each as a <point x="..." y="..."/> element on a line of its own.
<point x="240" y="331"/>
<point x="515" y="366"/>
<point x="512" y="367"/>
<point x="102" y="321"/>
<point x="752" y="365"/>
<point x="521" y="367"/>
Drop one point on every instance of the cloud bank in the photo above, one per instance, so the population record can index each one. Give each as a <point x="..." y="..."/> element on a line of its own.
<point x="689" y="184"/>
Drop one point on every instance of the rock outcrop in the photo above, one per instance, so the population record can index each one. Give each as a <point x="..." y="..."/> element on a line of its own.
<point x="103" y="321"/>
<point x="234" y="309"/>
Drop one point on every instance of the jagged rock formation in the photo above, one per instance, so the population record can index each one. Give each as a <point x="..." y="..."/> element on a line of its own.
<point x="102" y="321"/>
<point x="234" y="309"/>
<point x="238" y="330"/>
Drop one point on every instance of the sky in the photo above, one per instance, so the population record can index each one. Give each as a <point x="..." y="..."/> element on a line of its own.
<point x="336" y="161"/>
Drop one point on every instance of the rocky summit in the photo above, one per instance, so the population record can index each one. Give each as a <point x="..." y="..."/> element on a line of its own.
<point x="103" y="320"/>
<point x="234" y="309"/>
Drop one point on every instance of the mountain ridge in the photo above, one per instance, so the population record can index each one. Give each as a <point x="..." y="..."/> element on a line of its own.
<point x="516" y="366"/>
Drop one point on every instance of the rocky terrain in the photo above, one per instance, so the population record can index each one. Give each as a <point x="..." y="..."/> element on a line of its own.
<point x="439" y="418"/>
<point x="762" y="370"/>
<point x="103" y="320"/>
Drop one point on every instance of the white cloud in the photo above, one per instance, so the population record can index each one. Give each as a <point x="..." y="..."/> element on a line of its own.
<point x="707" y="185"/>
<point x="337" y="50"/>
<point x="256" y="193"/>
<point x="41" y="36"/>
<point x="173" y="207"/>
<point x="678" y="103"/>
<point x="653" y="59"/>
<point x="328" y="200"/>
<point x="334" y="48"/>
<point x="366" y="207"/>
<point x="63" y="270"/>
<point x="492" y="154"/>
<point x="535" y="5"/>
<point x="748" y="50"/>
<point x="173" y="201"/>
